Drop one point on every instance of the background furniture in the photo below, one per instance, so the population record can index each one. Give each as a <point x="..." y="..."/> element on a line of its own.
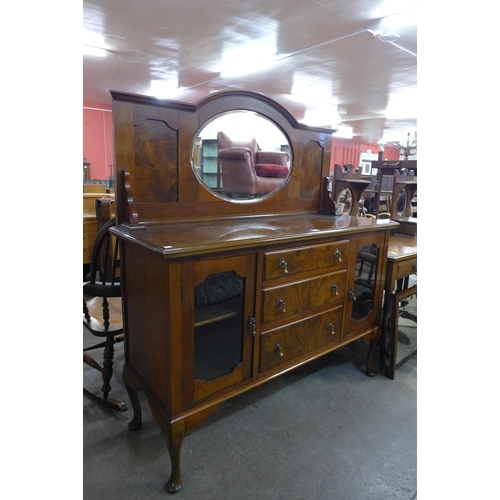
<point x="401" y="264"/>
<point x="102" y="311"/>
<point x="348" y="184"/>
<point x="385" y="193"/>
<point x="248" y="171"/>
<point x="223" y="295"/>
<point x="403" y="187"/>
<point x="90" y="226"/>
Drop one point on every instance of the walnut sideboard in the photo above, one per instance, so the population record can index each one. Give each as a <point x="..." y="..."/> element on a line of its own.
<point x="222" y="295"/>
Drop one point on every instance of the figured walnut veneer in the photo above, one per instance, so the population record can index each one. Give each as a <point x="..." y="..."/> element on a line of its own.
<point x="297" y="263"/>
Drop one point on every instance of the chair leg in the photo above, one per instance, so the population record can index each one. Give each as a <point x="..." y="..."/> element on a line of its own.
<point x="113" y="404"/>
<point x="107" y="366"/>
<point x="91" y="362"/>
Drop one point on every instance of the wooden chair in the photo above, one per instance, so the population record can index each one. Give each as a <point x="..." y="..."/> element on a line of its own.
<point x="102" y="311"/>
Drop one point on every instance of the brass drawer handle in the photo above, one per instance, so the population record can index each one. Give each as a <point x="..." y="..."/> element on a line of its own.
<point x="338" y="255"/>
<point x="283" y="265"/>
<point x="278" y="350"/>
<point x="331" y="328"/>
<point x="281" y="305"/>
<point x="351" y="294"/>
<point x="335" y="289"/>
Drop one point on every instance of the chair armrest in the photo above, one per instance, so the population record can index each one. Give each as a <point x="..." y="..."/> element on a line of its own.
<point x="235" y="153"/>
<point x="272" y="157"/>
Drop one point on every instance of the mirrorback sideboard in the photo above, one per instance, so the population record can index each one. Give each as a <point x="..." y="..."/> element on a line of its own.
<point x="221" y="295"/>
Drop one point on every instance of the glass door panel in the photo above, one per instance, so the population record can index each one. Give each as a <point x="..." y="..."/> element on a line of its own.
<point x="364" y="282"/>
<point x="218" y="325"/>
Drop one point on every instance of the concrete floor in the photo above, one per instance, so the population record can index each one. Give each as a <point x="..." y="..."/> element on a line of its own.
<point x="324" y="431"/>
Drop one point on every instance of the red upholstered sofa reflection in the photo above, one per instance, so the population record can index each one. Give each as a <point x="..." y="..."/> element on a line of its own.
<point x="248" y="172"/>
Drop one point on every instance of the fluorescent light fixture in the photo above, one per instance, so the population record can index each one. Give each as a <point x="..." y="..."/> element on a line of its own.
<point x="251" y="57"/>
<point x="402" y="105"/>
<point x="389" y="37"/>
<point x="162" y="89"/>
<point x="94" y="51"/>
<point x="344" y="133"/>
<point x="304" y="87"/>
<point x="239" y="66"/>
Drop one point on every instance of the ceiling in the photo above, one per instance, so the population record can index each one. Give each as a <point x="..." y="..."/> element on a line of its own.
<point x="314" y="57"/>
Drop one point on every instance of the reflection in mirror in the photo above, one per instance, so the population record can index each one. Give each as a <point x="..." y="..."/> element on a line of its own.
<point x="401" y="202"/>
<point x="241" y="155"/>
<point x="364" y="284"/>
<point x="218" y="325"/>
<point x="344" y="202"/>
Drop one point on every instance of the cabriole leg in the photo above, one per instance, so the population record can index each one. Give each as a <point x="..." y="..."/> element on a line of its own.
<point x="173" y="435"/>
<point x="133" y="394"/>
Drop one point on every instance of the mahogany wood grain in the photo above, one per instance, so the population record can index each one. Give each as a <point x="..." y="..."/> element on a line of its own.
<point x="175" y="233"/>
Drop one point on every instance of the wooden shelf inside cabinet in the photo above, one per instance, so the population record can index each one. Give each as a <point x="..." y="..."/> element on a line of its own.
<point x="217" y="312"/>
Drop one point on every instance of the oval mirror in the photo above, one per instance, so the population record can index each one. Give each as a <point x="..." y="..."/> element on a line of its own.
<point x="241" y="156"/>
<point x="344" y="202"/>
<point x="401" y="202"/>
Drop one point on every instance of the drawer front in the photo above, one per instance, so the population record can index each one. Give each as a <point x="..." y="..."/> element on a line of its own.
<point x="407" y="267"/>
<point x="283" y="263"/>
<point x="286" y="344"/>
<point x="286" y="300"/>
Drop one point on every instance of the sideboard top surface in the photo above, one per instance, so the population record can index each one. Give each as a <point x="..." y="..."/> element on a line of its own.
<point x="184" y="239"/>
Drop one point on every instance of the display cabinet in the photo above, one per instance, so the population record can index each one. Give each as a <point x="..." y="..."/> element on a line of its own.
<point x="221" y="295"/>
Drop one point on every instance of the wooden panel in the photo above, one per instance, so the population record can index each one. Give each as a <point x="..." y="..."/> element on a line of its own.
<point x="301" y="259"/>
<point x="155" y="153"/>
<point x="146" y="283"/>
<point x="300" y="338"/>
<point x="302" y="295"/>
<point x="312" y="159"/>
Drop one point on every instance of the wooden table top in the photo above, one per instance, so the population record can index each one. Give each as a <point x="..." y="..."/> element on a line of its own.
<point x="401" y="246"/>
<point x="177" y="240"/>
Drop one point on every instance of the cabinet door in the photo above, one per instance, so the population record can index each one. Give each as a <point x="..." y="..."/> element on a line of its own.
<point x="218" y="344"/>
<point x="364" y="288"/>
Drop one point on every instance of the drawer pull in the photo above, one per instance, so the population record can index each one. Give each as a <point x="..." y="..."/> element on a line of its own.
<point x="351" y="294"/>
<point x="331" y="327"/>
<point x="338" y="255"/>
<point x="335" y="289"/>
<point x="281" y="305"/>
<point x="278" y="350"/>
<point x="283" y="265"/>
<point x="251" y="325"/>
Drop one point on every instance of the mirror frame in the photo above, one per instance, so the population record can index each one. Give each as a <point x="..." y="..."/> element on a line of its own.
<point x="250" y="130"/>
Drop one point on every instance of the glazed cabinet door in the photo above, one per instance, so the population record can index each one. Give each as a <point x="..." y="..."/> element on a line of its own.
<point x="218" y="303"/>
<point x="364" y="290"/>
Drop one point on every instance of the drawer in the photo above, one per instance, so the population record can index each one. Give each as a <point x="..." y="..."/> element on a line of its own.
<point x="406" y="268"/>
<point x="284" y="345"/>
<point x="282" y="263"/>
<point x="288" y="299"/>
